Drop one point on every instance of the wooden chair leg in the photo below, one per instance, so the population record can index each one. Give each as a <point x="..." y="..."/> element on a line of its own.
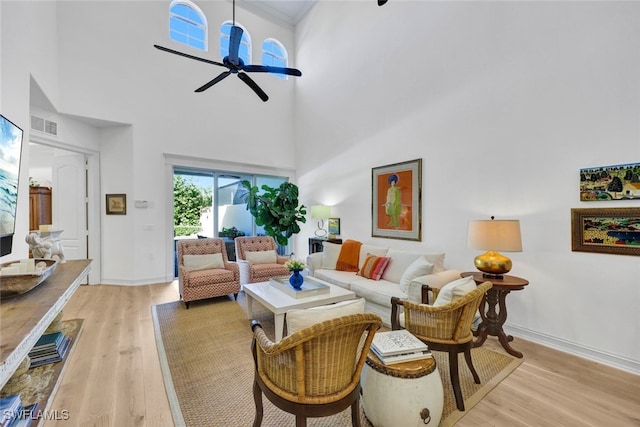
<point x="235" y="296"/>
<point x="467" y="357"/>
<point x="257" y="399"/>
<point x="186" y="304"/>
<point x="301" y="421"/>
<point x="455" y="379"/>
<point x="355" y="413"/>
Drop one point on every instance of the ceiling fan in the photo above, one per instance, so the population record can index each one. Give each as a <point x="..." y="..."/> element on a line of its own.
<point x="235" y="64"/>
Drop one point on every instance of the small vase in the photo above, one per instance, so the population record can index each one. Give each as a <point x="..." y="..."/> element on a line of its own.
<point x="296" y="279"/>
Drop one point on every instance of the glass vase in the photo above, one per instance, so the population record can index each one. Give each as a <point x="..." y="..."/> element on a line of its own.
<point x="296" y="279"/>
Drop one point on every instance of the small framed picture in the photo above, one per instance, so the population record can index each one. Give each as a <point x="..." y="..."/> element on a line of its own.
<point x="116" y="204"/>
<point x="334" y="226"/>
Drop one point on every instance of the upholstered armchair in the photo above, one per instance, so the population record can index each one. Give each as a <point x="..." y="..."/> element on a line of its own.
<point x="258" y="259"/>
<point x="314" y="372"/>
<point x="204" y="271"/>
<point x="444" y="328"/>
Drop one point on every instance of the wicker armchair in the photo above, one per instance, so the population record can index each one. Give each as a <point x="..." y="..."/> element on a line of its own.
<point x="444" y="328"/>
<point x="314" y="372"/>
<point x="210" y="282"/>
<point x="251" y="272"/>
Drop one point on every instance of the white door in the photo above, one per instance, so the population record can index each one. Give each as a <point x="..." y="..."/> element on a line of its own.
<point x="69" y="207"/>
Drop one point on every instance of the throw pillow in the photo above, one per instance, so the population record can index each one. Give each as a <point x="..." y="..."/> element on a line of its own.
<point x="370" y="249"/>
<point x="261" y="257"/>
<point x="373" y="267"/>
<point x="349" y="254"/>
<point x="301" y="318"/>
<point x="454" y="290"/>
<point x="330" y="253"/>
<point x="401" y="260"/>
<point x="419" y="267"/>
<point x="202" y="262"/>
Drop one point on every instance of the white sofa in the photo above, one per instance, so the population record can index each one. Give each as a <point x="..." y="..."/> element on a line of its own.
<point x="403" y="277"/>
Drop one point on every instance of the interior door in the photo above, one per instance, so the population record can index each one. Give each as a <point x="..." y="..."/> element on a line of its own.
<point x="70" y="203"/>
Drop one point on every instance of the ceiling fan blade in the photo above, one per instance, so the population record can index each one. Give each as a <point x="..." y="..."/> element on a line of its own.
<point x="269" y="69"/>
<point x="206" y="86"/>
<point x="186" y="55"/>
<point x="249" y="81"/>
<point x="235" y="37"/>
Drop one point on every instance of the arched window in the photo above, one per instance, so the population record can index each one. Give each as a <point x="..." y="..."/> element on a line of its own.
<point x="275" y="55"/>
<point x="245" y="44"/>
<point x="187" y="24"/>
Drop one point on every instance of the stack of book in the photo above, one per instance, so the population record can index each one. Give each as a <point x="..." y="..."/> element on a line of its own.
<point x="13" y="414"/>
<point x="50" y="348"/>
<point x="398" y="346"/>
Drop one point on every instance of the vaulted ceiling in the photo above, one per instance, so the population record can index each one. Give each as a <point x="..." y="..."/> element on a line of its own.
<point x="288" y="11"/>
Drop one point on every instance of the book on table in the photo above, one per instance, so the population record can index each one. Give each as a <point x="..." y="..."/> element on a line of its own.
<point x="401" y="358"/>
<point x="398" y="346"/>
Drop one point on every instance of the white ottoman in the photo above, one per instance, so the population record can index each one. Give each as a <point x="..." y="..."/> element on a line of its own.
<point x="405" y="394"/>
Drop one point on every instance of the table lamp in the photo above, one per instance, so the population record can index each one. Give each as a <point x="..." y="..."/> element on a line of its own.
<point x="494" y="235"/>
<point x="320" y="212"/>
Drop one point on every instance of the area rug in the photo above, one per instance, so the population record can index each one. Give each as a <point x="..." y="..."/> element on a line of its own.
<point x="208" y="370"/>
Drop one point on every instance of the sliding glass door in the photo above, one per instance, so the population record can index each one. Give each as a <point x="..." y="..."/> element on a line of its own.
<point x="209" y="203"/>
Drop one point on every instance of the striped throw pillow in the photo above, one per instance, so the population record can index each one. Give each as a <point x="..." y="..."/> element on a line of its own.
<point x="373" y="267"/>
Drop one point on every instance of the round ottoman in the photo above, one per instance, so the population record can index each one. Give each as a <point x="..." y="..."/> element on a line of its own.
<point x="404" y="394"/>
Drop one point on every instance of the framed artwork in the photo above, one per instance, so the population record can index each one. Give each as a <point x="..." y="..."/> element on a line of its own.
<point x="334" y="226"/>
<point x="618" y="182"/>
<point x="611" y="231"/>
<point x="116" y="204"/>
<point x="396" y="201"/>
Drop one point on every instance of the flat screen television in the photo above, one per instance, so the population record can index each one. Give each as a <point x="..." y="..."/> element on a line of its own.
<point x="10" y="151"/>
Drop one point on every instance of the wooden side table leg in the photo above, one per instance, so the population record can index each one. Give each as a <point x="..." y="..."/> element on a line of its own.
<point x="489" y="319"/>
<point x="502" y="336"/>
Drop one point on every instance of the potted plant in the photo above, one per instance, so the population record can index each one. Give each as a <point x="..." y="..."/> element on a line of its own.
<point x="276" y="209"/>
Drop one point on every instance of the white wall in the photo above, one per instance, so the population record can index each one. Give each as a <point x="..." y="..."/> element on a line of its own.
<point x="504" y="102"/>
<point x="104" y="67"/>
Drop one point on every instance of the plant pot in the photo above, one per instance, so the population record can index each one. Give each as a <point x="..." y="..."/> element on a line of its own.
<point x="296" y="279"/>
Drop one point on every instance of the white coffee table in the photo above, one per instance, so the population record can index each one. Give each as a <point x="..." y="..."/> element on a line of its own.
<point x="279" y="303"/>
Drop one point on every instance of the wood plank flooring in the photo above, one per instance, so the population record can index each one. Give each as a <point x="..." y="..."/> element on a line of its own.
<point x="113" y="378"/>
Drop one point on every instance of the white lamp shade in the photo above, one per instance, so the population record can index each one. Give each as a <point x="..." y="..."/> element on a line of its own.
<point x="495" y="235"/>
<point x="320" y="211"/>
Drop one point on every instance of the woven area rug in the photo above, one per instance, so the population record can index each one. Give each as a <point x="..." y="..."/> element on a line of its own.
<point x="208" y="369"/>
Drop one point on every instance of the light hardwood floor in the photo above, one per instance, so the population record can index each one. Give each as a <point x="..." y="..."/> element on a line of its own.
<point x="113" y="377"/>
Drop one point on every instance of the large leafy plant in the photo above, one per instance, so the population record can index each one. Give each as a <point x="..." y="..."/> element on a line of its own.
<point x="276" y="209"/>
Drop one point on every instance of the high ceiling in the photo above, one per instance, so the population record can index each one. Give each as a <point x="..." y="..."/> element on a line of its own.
<point x="288" y="11"/>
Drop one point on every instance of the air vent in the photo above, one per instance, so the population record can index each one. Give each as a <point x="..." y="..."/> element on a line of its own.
<point x="43" y="125"/>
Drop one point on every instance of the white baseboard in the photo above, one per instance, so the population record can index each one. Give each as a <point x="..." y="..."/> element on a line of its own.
<point x="133" y="282"/>
<point x="580" y="350"/>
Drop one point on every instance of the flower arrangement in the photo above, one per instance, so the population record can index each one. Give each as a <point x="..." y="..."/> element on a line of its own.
<point x="294" y="264"/>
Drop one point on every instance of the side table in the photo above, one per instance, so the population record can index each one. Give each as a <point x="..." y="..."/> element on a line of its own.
<point x="492" y="320"/>
<point x="403" y="394"/>
<point x="315" y="243"/>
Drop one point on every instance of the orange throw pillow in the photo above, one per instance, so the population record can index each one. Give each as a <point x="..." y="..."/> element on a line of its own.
<point x="349" y="256"/>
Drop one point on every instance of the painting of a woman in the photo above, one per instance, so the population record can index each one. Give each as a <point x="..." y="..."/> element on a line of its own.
<point x="393" y="204"/>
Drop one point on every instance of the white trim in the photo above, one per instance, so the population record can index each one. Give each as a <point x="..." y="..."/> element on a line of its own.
<point x="93" y="194"/>
<point x="576" y="349"/>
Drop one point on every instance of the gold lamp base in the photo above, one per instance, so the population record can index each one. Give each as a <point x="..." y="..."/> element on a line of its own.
<point x="492" y="264"/>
